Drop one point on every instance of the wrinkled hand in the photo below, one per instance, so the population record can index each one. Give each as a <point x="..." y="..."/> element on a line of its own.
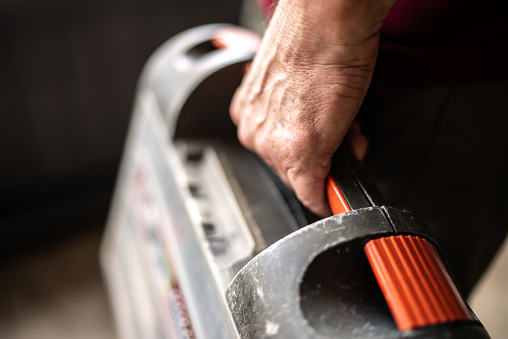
<point x="303" y="90"/>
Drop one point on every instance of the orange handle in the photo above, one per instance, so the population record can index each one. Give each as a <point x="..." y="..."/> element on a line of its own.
<point x="336" y="199"/>
<point x="414" y="281"/>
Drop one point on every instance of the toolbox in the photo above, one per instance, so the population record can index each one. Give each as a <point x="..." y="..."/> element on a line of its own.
<point x="204" y="241"/>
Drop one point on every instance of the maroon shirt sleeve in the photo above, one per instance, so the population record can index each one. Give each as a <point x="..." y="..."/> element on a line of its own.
<point x="444" y="41"/>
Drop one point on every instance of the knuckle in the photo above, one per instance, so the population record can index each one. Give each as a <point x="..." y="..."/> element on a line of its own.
<point x="245" y="138"/>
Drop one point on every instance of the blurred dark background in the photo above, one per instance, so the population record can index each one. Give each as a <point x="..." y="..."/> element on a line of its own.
<point x="68" y="72"/>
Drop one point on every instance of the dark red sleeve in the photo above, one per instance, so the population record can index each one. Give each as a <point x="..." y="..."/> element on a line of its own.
<point x="444" y="41"/>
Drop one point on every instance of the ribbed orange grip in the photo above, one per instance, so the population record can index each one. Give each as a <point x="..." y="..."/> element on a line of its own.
<point x="414" y="281"/>
<point x="336" y="199"/>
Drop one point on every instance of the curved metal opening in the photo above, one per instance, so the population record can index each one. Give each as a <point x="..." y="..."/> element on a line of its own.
<point x="341" y="298"/>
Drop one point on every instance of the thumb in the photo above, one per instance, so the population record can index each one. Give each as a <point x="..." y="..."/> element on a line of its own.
<point x="310" y="191"/>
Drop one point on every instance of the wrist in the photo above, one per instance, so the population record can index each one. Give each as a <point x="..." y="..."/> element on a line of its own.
<point x="334" y="22"/>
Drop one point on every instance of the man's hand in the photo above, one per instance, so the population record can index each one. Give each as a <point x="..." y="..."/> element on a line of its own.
<point x="305" y="86"/>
